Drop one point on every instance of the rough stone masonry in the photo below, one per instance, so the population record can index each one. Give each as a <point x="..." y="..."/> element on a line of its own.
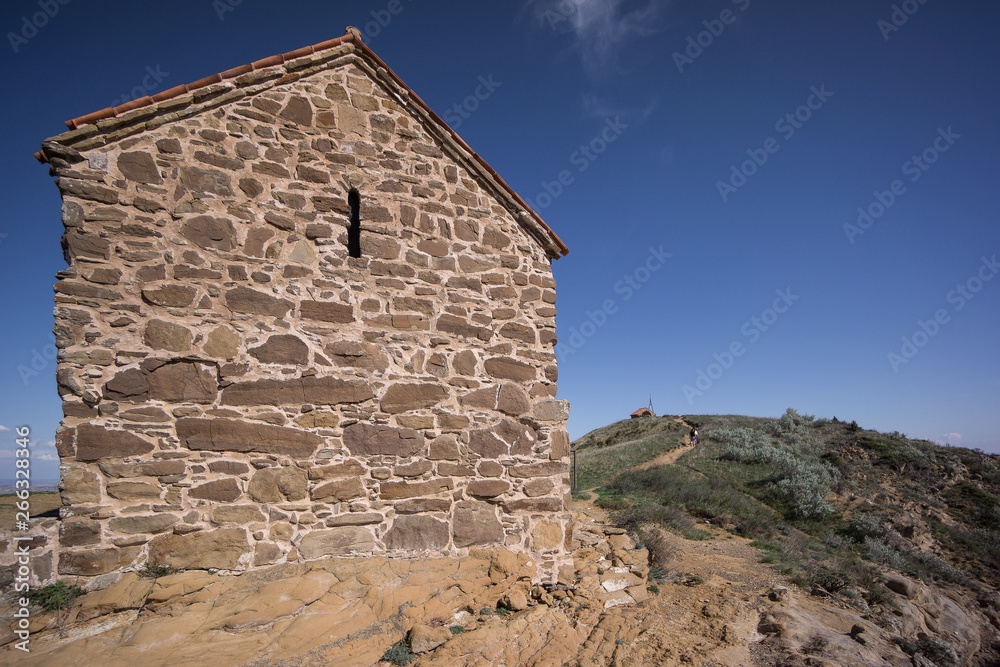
<point x="242" y="387"/>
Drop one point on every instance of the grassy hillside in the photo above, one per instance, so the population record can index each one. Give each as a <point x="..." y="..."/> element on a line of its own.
<point x="833" y="505"/>
<point x="611" y="449"/>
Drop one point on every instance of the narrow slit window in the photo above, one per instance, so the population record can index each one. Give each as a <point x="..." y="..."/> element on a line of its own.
<point x="354" y="231"/>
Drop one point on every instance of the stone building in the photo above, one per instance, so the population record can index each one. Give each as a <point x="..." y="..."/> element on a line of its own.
<point x="301" y="318"/>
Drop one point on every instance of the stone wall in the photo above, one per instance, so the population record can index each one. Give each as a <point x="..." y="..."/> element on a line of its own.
<point x="239" y="391"/>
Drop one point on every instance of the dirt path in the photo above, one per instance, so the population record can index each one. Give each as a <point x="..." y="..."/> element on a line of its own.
<point x="671" y="456"/>
<point x="705" y="613"/>
<point x="708" y="605"/>
<point x="666" y="458"/>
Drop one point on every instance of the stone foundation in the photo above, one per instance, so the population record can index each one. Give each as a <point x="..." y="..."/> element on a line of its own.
<point x="347" y="611"/>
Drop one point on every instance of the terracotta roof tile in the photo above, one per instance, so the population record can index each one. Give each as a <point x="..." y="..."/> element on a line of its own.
<point x="353" y="36"/>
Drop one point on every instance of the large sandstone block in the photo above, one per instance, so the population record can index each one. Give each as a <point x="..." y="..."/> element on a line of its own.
<point x="282" y="349"/>
<point x="339" y="491"/>
<point x="400" y="490"/>
<point x="315" y="390"/>
<point x="339" y="541"/>
<point x="552" y="411"/>
<point x="252" y="302"/>
<point x="476" y="523"/>
<point x="79" y="532"/>
<point x="241" y="514"/>
<point x="487" y="445"/>
<point x="510" y="369"/>
<point x="325" y="311"/>
<point x="96" y="442"/>
<point x="414" y="532"/>
<point x="142" y="468"/>
<point x="219" y="549"/>
<point x="487" y="488"/>
<point x="368" y="440"/>
<point x="170" y="296"/>
<point x="229" y="435"/>
<point x="220" y="490"/>
<point x="409" y="396"/>
<point x="521" y="438"/>
<point x="131" y="385"/>
<point x="89" y="562"/>
<point x="547" y="535"/>
<point x="560" y="445"/>
<point x="134" y="491"/>
<point x="539" y="469"/>
<point x="79" y="486"/>
<point x="149" y="523"/>
<point x="139" y="166"/>
<point x="274" y="485"/>
<point x="182" y="382"/>
<point x="543" y="505"/>
<point x="208" y="232"/>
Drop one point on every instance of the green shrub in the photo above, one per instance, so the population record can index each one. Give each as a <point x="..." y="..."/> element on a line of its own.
<point x="792" y="423"/>
<point x="865" y="524"/>
<point x="399" y="653"/>
<point x="746" y="445"/>
<point x="55" y="596"/>
<point x="801" y="482"/>
<point x="457" y="629"/>
<point x="154" y="571"/>
<point x="880" y="552"/>
<point x="937" y="652"/>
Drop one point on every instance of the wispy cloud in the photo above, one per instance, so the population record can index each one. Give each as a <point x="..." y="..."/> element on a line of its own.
<point x="950" y="439"/>
<point x="600" y="27"/>
<point x="3" y="428"/>
<point x="597" y="108"/>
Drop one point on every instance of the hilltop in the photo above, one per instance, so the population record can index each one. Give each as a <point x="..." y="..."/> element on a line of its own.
<point x="885" y="546"/>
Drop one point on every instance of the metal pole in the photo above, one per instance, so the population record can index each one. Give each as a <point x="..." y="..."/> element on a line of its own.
<point x="576" y="483"/>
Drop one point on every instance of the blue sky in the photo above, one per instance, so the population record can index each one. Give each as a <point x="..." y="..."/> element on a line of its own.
<point x="767" y="204"/>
